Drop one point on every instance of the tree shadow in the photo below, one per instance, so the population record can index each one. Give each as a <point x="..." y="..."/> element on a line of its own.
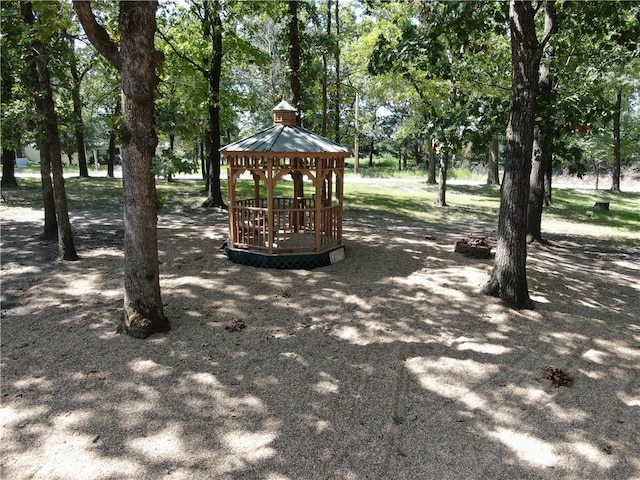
<point x="389" y="364"/>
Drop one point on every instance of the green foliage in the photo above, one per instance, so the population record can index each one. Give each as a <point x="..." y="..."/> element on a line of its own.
<point x="169" y="164"/>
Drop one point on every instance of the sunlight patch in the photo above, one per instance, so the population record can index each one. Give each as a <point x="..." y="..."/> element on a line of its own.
<point x="488" y="348"/>
<point x="165" y="445"/>
<point x="150" y="368"/>
<point x="251" y="446"/>
<point x="452" y="378"/>
<point x="527" y="448"/>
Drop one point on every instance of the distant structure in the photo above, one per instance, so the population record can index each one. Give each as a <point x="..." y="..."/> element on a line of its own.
<point x="285" y="196"/>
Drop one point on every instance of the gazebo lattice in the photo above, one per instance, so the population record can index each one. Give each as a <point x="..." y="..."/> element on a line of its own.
<point x="271" y="229"/>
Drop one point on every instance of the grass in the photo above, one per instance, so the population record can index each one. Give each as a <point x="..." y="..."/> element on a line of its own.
<point x="408" y="198"/>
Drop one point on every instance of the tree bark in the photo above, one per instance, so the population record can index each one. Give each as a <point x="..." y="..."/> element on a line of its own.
<point x="336" y="107"/>
<point x="548" y="173"/>
<point x="493" y="177"/>
<point x="77" y="114"/>
<point x="8" y="152"/>
<point x="50" y="231"/>
<point x="431" y="179"/>
<point x="111" y="158"/>
<point x="615" y="173"/>
<point x="542" y="154"/>
<point x="48" y="126"/>
<point x="294" y="58"/>
<point x="214" y="191"/>
<point x="442" y="179"/>
<point x="8" y="168"/>
<point x="325" y="76"/>
<point x="536" y="190"/>
<point x="136" y="60"/>
<point x="509" y="276"/>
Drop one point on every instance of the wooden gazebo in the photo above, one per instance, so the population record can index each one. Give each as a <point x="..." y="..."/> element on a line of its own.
<point x="280" y="226"/>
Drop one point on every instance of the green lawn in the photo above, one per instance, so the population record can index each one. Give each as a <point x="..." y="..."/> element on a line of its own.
<point x="406" y="197"/>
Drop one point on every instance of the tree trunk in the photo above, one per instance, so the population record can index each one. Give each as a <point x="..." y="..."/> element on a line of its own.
<point x="8" y="146"/>
<point x="536" y="190"/>
<point x="136" y="60"/>
<point x="294" y="58"/>
<point x="77" y="114"/>
<point x="50" y="222"/>
<point x="214" y="191"/>
<point x="442" y="180"/>
<point x="143" y="309"/>
<point x="8" y="168"/>
<point x="493" y="177"/>
<point x="48" y="126"/>
<point x="337" y="99"/>
<point x="542" y="152"/>
<point x="615" y="177"/>
<point x="111" y="160"/>
<point x="509" y="276"/>
<point x="548" y="173"/>
<point x="431" y="179"/>
<point x="325" y="76"/>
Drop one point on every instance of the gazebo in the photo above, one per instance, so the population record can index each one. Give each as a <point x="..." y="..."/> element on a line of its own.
<point x="292" y="217"/>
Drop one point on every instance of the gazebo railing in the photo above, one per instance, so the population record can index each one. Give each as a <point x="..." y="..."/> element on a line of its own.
<point x="294" y="223"/>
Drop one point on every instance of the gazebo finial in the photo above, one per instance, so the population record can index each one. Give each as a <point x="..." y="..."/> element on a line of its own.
<point x="284" y="114"/>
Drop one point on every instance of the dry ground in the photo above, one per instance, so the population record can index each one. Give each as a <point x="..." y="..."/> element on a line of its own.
<point x="388" y="365"/>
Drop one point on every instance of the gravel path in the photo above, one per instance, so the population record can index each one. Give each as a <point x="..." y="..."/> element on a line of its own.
<point x="388" y="365"/>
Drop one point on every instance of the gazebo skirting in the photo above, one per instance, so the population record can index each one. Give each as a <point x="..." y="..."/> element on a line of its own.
<point x="306" y="261"/>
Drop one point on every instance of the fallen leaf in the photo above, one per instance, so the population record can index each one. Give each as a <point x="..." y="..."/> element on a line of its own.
<point x="398" y="420"/>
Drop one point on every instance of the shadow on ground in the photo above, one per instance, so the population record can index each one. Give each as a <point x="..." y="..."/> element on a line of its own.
<point x="388" y="365"/>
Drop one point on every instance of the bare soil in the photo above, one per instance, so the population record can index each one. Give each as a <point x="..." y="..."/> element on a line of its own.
<point x="387" y="365"/>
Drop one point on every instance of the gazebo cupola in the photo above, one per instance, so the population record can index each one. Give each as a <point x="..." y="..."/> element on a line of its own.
<point x="285" y="196"/>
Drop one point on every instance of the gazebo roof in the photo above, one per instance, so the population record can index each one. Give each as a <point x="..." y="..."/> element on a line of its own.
<point x="284" y="137"/>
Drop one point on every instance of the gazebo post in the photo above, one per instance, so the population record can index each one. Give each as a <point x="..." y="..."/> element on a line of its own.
<point x="256" y="190"/>
<point x="270" y="187"/>
<point x="318" y="204"/>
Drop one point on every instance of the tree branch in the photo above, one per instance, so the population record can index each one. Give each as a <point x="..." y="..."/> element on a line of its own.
<point x="96" y="33"/>
<point x="183" y="56"/>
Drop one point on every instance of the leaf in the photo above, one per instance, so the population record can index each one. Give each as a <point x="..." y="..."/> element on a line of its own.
<point x="398" y="420"/>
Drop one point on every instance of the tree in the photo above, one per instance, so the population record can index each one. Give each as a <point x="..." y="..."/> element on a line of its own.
<point x="11" y="117"/>
<point x="509" y="276"/>
<point x="49" y="137"/>
<point x="543" y="135"/>
<point x="294" y="57"/>
<point x="78" y="75"/>
<point x="136" y="60"/>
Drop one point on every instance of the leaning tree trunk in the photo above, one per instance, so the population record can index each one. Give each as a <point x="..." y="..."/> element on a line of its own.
<point x="509" y="276"/>
<point x="441" y="198"/>
<point x="48" y="126"/>
<point x="615" y="173"/>
<point x="214" y="191"/>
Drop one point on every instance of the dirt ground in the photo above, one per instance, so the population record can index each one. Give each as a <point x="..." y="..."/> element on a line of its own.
<point x="387" y="365"/>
